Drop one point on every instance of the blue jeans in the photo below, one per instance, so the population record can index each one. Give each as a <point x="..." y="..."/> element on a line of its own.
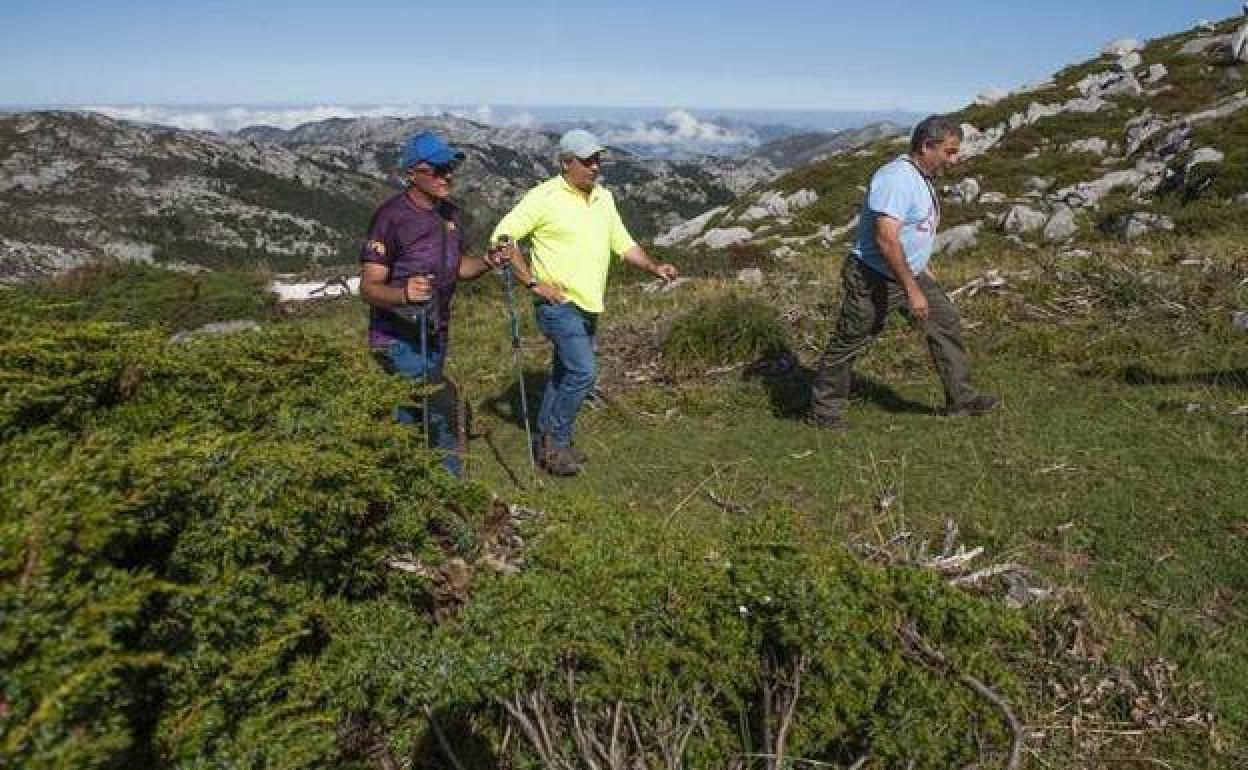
<point x="404" y="359"/>
<point x="572" y="368"/>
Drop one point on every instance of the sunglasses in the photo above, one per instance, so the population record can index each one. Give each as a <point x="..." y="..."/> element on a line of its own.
<point x="592" y="160"/>
<point x="442" y="171"/>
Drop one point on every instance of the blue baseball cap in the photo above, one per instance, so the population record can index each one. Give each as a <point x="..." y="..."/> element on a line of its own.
<point x="428" y="147"/>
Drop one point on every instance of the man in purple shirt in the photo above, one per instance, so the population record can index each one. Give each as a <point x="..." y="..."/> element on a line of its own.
<point x="410" y="262"/>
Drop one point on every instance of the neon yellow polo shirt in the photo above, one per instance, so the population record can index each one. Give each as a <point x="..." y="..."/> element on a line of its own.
<point x="571" y="238"/>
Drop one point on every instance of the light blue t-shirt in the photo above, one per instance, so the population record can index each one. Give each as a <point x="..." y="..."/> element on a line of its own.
<point x="900" y="191"/>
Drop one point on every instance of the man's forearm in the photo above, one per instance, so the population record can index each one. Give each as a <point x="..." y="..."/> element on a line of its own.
<point x="638" y="257"/>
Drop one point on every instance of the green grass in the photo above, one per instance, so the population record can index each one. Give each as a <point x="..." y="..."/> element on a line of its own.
<point x="1114" y="468"/>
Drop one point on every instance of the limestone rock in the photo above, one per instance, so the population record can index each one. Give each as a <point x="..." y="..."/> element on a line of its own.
<point x="1061" y="225"/>
<point x="689" y="229"/>
<point x="1203" y="155"/>
<point x="1156" y="74"/>
<point x="990" y="96"/>
<point x="723" y="237"/>
<point x="1094" y="145"/>
<point x="772" y="205"/>
<point x="1022" y="219"/>
<point x="1130" y="61"/>
<point x="992" y="198"/>
<point x="1038" y="183"/>
<point x="964" y="192"/>
<point x="750" y="276"/>
<point x="957" y="239"/>
<point x="1200" y="45"/>
<point x="1122" y="47"/>
<point x="1139" y="223"/>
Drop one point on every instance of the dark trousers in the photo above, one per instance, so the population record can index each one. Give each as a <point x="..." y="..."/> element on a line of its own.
<point x="868" y="298"/>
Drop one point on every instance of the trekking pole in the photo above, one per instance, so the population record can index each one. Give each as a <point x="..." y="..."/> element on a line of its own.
<point x="517" y="354"/>
<point x="418" y="313"/>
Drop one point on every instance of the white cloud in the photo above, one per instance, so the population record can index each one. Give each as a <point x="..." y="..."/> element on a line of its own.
<point x="233" y="118"/>
<point x="679" y="127"/>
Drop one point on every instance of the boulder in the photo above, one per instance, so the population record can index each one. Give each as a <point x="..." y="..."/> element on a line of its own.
<point x="1103" y="84"/>
<point x="990" y="96"/>
<point x="1242" y="198"/>
<point x="723" y="237"/>
<point x="992" y="198"/>
<point x="1156" y="74"/>
<point x="1038" y="183"/>
<point x="750" y="276"/>
<point x="1203" y="155"/>
<point x="1240" y="321"/>
<point x="690" y="229"/>
<point x="957" y="239"/>
<point x="1139" y="223"/>
<point x="1130" y="61"/>
<point x="774" y="205"/>
<point x="1122" y="47"/>
<point x="1140" y="130"/>
<point x="1239" y="44"/>
<point x="1200" y="45"/>
<point x="1094" y="145"/>
<point x="964" y="192"/>
<point x="1061" y="225"/>
<point x="1022" y="219"/>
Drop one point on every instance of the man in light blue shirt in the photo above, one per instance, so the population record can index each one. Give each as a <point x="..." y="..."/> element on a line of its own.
<point x="887" y="270"/>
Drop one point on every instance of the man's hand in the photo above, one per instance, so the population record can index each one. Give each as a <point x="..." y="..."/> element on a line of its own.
<point x="551" y="293"/>
<point x="918" y="302"/>
<point x="667" y="272"/>
<point x="501" y="253"/>
<point x="419" y="288"/>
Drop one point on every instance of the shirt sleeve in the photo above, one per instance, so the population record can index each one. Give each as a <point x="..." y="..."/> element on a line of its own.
<point x="379" y="243"/>
<point x="889" y="196"/>
<point x="521" y="221"/>
<point x="621" y="241"/>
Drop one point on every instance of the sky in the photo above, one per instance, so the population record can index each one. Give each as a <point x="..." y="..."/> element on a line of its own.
<point x="779" y="54"/>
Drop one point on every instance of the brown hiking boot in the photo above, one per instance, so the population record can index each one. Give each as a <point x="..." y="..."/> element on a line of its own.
<point x="560" y="461"/>
<point x="557" y="460"/>
<point x="978" y="406"/>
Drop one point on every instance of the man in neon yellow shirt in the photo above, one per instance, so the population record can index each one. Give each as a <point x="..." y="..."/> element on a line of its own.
<point x="573" y="228"/>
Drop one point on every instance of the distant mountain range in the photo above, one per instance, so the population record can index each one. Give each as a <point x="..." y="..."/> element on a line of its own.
<point x="77" y="187"/>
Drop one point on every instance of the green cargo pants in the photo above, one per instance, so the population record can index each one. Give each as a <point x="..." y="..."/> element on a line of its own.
<point x="868" y="299"/>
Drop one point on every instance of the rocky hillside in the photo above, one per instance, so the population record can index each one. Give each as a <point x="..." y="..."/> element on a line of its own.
<point x="80" y="187"/>
<point x="503" y="162"/>
<point x="1146" y="139"/>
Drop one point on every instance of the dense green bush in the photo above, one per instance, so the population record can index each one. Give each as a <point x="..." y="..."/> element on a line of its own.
<point x="224" y="554"/>
<point x="725" y="330"/>
<point x="143" y="295"/>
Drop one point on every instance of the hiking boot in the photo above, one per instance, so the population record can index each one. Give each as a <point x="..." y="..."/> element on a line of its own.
<point x="834" y="423"/>
<point x="560" y="461"/>
<point x="978" y="406"/>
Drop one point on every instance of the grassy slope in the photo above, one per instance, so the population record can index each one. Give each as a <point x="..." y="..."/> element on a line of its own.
<point x="1115" y="468"/>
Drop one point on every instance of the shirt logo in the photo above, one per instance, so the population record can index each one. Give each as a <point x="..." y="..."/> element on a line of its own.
<point x="377" y="247"/>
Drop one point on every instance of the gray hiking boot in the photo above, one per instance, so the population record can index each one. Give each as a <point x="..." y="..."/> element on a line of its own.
<point x="978" y="406"/>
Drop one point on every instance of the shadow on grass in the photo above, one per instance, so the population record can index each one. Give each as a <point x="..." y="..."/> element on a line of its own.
<point x="788" y="385"/>
<point x="1229" y="378"/>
